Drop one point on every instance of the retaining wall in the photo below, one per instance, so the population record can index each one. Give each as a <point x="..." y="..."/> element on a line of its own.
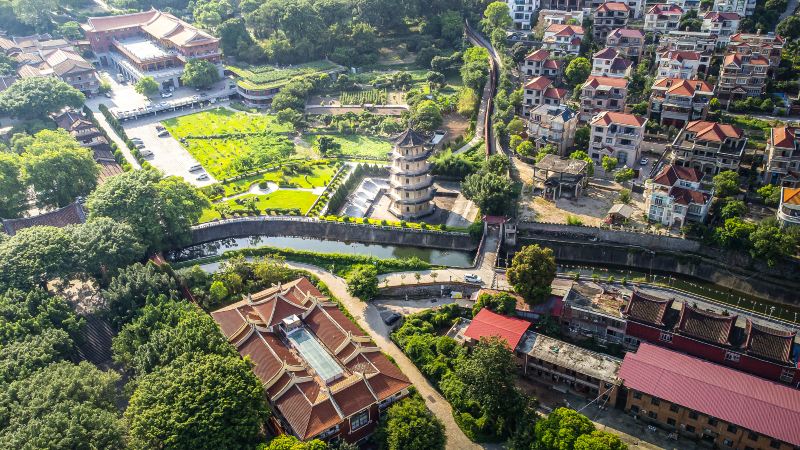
<point x="338" y="231"/>
<point x="426" y="290"/>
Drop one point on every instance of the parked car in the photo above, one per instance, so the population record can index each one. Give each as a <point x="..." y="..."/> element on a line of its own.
<point x="136" y="140"/>
<point x="160" y="127"/>
<point x="145" y="152"/>
<point x="202" y="177"/>
<point x="643" y="162"/>
<point x="107" y="94"/>
<point x="472" y="278"/>
<point x="166" y="94"/>
<point x="163" y="133"/>
<point x="391" y="319"/>
<point x="195" y="168"/>
<point x="139" y="145"/>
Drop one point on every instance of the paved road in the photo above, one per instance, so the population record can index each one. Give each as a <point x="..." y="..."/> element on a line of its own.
<point x="368" y="316"/>
<point x="789" y="9"/>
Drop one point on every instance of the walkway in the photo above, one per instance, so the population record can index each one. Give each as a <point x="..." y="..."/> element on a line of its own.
<point x="101" y="119"/>
<point x="479" y="124"/>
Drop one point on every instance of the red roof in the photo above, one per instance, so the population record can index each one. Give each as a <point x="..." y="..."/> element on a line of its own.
<point x="663" y="9"/>
<point x="538" y="55"/>
<point x="539" y="83"/>
<point x="784" y="137"/>
<point x="713" y="131"/>
<point x="488" y="323"/>
<point x="670" y="174"/>
<point x="609" y="117"/>
<point x="613" y="6"/>
<point x="762" y="406"/>
<point x="595" y="81"/>
<point x="628" y="32"/>
<point x="564" y="30"/>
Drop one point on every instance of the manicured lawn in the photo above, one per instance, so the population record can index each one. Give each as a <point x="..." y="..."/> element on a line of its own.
<point x="357" y="145"/>
<point x="228" y="157"/>
<point x="280" y="199"/>
<point x="320" y="175"/>
<point x="222" y="121"/>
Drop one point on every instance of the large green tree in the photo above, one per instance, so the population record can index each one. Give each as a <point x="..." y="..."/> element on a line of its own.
<point x="426" y="116"/>
<point x="200" y="73"/>
<point x="410" y="426"/>
<point x="147" y="86"/>
<point x="32" y="312"/>
<point x="362" y="282"/>
<point x="289" y="442"/>
<point x="561" y="429"/>
<point x="577" y="71"/>
<point x="13" y="189"/>
<point x="497" y="15"/>
<point x="132" y="287"/>
<point x="771" y="243"/>
<point x="21" y="358"/>
<point x="102" y="245"/>
<point x="726" y="183"/>
<point x="207" y="402"/>
<point x="34" y="256"/>
<point x="599" y="440"/>
<point x="532" y="270"/>
<point x="61" y="176"/>
<point x="492" y="193"/>
<point x="161" y="211"/>
<point x="36" y="97"/>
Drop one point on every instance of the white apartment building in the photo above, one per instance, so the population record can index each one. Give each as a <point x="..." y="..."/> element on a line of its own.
<point x="610" y="63"/>
<point x="742" y="7"/>
<point x="539" y="64"/>
<point x="628" y="42"/>
<point x="522" y="12"/>
<point x="553" y="124"/>
<point x="541" y="91"/>
<point x="609" y="16"/>
<point x="662" y="18"/>
<point x="689" y="41"/>
<point x="602" y="94"/>
<point x="681" y="64"/>
<point x="722" y="24"/>
<point x="675" y="101"/>
<point x="675" y="197"/>
<point x="685" y="5"/>
<point x="549" y="17"/>
<point x="618" y="135"/>
<point x="563" y="39"/>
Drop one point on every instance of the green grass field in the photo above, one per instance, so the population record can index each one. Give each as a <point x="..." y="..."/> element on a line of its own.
<point x="320" y="175"/>
<point x="280" y="199"/>
<point x="371" y="96"/>
<point x="357" y="145"/>
<point x="222" y="121"/>
<point x="266" y="77"/>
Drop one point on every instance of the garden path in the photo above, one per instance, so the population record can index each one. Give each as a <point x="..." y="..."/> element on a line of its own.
<point x="255" y="189"/>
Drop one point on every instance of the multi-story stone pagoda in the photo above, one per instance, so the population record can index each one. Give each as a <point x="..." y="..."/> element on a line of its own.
<point x="410" y="181"/>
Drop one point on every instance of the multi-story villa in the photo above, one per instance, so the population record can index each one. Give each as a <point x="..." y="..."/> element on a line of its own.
<point x="563" y="39"/>
<point x="628" y="42"/>
<point x="541" y="91"/>
<point x="602" y="94"/>
<point x="742" y="7"/>
<point x="539" y="64"/>
<point x="675" y="196"/>
<point x="688" y="41"/>
<point x="783" y="157"/>
<point x="709" y="147"/>
<point x="662" y="18"/>
<point x="549" y="17"/>
<point x="767" y="45"/>
<point x="410" y="180"/>
<point x="150" y="43"/>
<point x="722" y="24"/>
<point x="675" y="101"/>
<point x="609" y="63"/>
<point x="742" y="76"/>
<point x="617" y="135"/>
<point x="522" y="12"/>
<point x="681" y="64"/>
<point x="554" y="125"/>
<point x="565" y="5"/>
<point x="685" y="5"/>
<point x="609" y="16"/>
<point x="789" y="208"/>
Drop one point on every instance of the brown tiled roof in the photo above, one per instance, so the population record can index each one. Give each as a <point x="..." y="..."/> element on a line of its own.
<point x="716" y="16"/>
<point x="71" y="214"/>
<point x="609" y="117"/>
<point x="613" y="6"/>
<point x="627" y="32"/>
<point x="538" y="55"/>
<point x="606" y="53"/>
<point x="647" y="308"/>
<point x="769" y="343"/>
<point x="790" y="196"/>
<point x="539" y="83"/>
<point x="564" y="30"/>
<point x="595" y="81"/>
<point x="784" y="137"/>
<point x="706" y="325"/>
<point x="713" y="131"/>
<point x="665" y="9"/>
<point x="670" y="174"/>
<point x="687" y="196"/>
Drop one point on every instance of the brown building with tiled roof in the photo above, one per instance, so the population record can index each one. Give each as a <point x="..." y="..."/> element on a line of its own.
<point x="710" y="147"/>
<point x="675" y="101"/>
<point x="539" y="64"/>
<point x="71" y="214"/>
<point x="676" y="196"/>
<point x="783" y="157"/>
<point x="629" y="42"/>
<point x="746" y="65"/>
<point x="324" y="377"/>
<point x="600" y="94"/>
<point x="731" y="340"/>
<point x="88" y="135"/>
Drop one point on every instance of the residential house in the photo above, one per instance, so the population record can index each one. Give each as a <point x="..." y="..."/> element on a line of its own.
<point x="522" y="12"/>
<point x="789" y="208"/>
<point x="702" y="401"/>
<point x="739" y="341"/>
<point x="629" y="42"/>
<point x="709" y="147"/>
<point x="610" y="63"/>
<point x="662" y="18"/>
<point x="602" y="94"/>
<point x="597" y="317"/>
<point x="150" y="43"/>
<point x="541" y="91"/>
<point x="323" y="376"/>
<point x="617" y="135"/>
<point x="549" y="17"/>
<point x="554" y="125"/>
<point x="539" y="64"/>
<point x="563" y="39"/>
<point x="783" y="157"/>
<point x="685" y="5"/>
<point x="565" y="5"/>
<point x="89" y="136"/>
<point x="681" y="64"/>
<point x="674" y="197"/>
<point x="722" y="24"/>
<point x="690" y="41"/>
<point x="767" y="45"/>
<point x="742" y="76"/>
<point x="742" y="7"/>
<point x="609" y="16"/>
<point x="675" y="101"/>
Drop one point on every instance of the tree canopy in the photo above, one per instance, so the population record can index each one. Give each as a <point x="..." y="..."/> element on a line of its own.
<point x="200" y="73"/>
<point x="362" y="282"/>
<point x="491" y="188"/>
<point x="532" y="270"/>
<point x="132" y="287"/>
<point x="577" y="71"/>
<point x="408" y="425"/>
<point x="561" y="428"/>
<point x="13" y="188"/>
<point x="36" y="97"/>
<point x="147" y="86"/>
<point x="726" y="183"/>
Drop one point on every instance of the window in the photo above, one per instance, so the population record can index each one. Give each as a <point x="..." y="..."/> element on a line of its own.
<point x="690" y="428"/>
<point x="635" y="409"/>
<point x="727" y="443"/>
<point x="732" y="356"/>
<point x="652" y="415"/>
<point x="359" y="420"/>
<point x="637" y="395"/>
<point x="674" y="408"/>
<point x="752" y="436"/>
<point x="671" y="422"/>
<point x="774" y="444"/>
<point x="712" y="421"/>
<point x="787" y="375"/>
<point x="732" y="428"/>
<point x="666" y="337"/>
<point x="693" y="415"/>
<point x="655" y="401"/>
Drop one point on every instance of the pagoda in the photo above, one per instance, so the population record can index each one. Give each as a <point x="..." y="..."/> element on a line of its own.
<point x="410" y="181"/>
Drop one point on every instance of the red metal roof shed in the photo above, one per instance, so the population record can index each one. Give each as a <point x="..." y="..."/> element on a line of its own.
<point x="487" y="323"/>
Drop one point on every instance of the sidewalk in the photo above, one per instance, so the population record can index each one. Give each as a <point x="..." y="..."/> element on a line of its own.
<point x="101" y="119"/>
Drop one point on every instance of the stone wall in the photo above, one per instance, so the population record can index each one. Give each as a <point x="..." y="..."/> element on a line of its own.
<point x="581" y="233"/>
<point x="427" y="290"/>
<point x="313" y="228"/>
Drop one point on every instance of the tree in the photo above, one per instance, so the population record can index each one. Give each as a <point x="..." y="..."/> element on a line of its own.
<point x="13" y="189"/>
<point x="726" y="183"/>
<point x="218" y="292"/>
<point x="609" y="163"/>
<point x="62" y="406"/>
<point x="789" y="27"/>
<point x="690" y="21"/>
<point x="526" y="148"/>
<point x="102" y="245"/>
<point x="624" y="196"/>
<point x="502" y="303"/>
<point x="561" y="429"/>
<point x="22" y="358"/>
<point x="61" y="176"/>
<point x="426" y="116"/>
<point x="35" y="13"/>
<point x="771" y="243"/>
<point x="34" y="256"/>
<point x="735" y="232"/>
<point x="327" y="146"/>
<point x="493" y="193"/>
<point x="200" y="73"/>
<point x="733" y="208"/>
<point x="582" y="136"/>
<point x="37" y="97"/>
<point x="147" y="86"/>
<point x="467" y="102"/>
<point x="497" y="15"/>
<point x="583" y="156"/>
<point x="206" y="402"/>
<point x="515" y="126"/>
<point x="410" y="426"/>
<point x="623" y="175"/>
<point x="599" y="440"/>
<point x="289" y="442"/>
<point x="532" y="270"/>
<point x="577" y="71"/>
<point x="33" y="312"/>
<point x="161" y="211"/>
<point x="770" y="194"/>
<point x="130" y="289"/>
<point x="362" y="282"/>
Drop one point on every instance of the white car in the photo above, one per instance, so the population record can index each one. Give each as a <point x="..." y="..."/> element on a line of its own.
<point x="195" y="168"/>
<point x="643" y="162"/>
<point x="166" y="94"/>
<point x="202" y="177"/>
<point x="472" y="278"/>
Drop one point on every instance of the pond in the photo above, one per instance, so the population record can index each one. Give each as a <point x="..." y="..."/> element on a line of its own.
<point x="450" y="258"/>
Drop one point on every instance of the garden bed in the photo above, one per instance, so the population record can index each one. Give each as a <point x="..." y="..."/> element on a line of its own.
<point x="282" y="199"/>
<point x="354" y="145"/>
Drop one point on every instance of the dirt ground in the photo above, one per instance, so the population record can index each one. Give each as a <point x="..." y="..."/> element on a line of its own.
<point x="456" y="125"/>
<point x="391" y="56"/>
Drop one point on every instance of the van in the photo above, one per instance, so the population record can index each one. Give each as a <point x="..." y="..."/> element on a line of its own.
<point x="195" y="168"/>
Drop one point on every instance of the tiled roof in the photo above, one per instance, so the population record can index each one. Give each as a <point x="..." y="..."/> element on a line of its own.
<point x="606" y="53"/>
<point x="555" y="93"/>
<point x="71" y="214"/>
<point x="538" y="55"/>
<point x="627" y="32"/>
<point x="409" y="138"/>
<point x="607" y="118"/>
<point x="487" y="323"/>
<point x="680" y="56"/>
<point x="621" y="64"/>
<point x="595" y="81"/>
<point x="715" y="16"/>
<point x="552" y="64"/>
<point x="769" y="343"/>
<point x="679" y="86"/>
<point x="538" y="83"/>
<point x="736" y="397"/>
<point x="706" y="325"/>
<point x="713" y="131"/>
<point x="309" y="404"/>
<point x="664" y="10"/>
<point x="647" y="308"/>
<point x="159" y="25"/>
<point x="564" y="30"/>
<point x="670" y="174"/>
<point x="784" y="137"/>
<point x="613" y="6"/>
<point x="108" y="23"/>
<point x="688" y="196"/>
<point x="790" y="196"/>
